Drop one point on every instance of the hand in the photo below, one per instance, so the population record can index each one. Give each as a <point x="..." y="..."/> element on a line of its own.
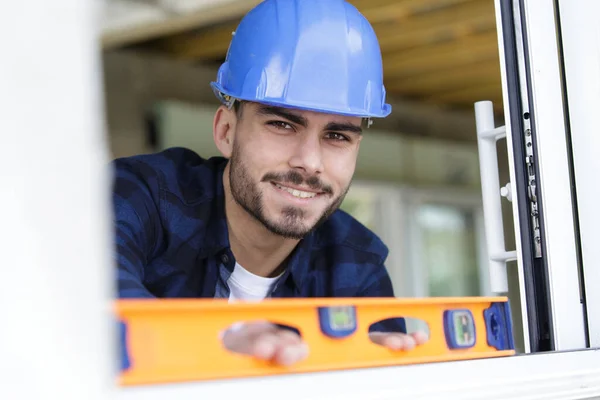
<point x="266" y="341"/>
<point x="398" y="341"/>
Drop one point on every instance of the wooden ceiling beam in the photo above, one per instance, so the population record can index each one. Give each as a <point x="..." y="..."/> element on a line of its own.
<point x="449" y="23"/>
<point x="399" y="10"/>
<point x="212" y="43"/>
<point x="424" y="59"/>
<point x="447" y="79"/>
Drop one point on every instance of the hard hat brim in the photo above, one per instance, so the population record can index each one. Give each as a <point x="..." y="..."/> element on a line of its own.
<point x="226" y="98"/>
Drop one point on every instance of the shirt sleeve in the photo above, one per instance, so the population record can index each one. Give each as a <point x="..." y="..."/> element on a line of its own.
<point x="136" y="215"/>
<point x="379" y="284"/>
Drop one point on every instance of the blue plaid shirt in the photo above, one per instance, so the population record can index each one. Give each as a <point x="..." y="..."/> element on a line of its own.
<point x="172" y="238"/>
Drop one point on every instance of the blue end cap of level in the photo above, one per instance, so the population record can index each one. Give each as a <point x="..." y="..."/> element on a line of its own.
<point x="124" y="351"/>
<point x="498" y="322"/>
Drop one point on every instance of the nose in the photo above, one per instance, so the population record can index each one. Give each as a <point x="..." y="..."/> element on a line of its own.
<point x="307" y="155"/>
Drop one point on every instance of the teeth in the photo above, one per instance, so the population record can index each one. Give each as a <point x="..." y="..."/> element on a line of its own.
<point x="297" y="193"/>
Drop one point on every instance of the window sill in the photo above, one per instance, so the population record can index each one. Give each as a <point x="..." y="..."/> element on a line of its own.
<point x="563" y="375"/>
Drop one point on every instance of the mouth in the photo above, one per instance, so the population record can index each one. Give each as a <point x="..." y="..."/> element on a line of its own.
<point x="302" y="194"/>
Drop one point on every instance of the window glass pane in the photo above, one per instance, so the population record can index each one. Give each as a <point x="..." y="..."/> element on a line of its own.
<point x="449" y="250"/>
<point x="438" y="59"/>
<point x="360" y="203"/>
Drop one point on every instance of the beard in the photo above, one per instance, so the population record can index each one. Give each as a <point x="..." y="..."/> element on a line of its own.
<point x="291" y="224"/>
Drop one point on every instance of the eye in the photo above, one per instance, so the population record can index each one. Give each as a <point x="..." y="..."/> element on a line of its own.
<point x="280" y="125"/>
<point x="337" y="137"/>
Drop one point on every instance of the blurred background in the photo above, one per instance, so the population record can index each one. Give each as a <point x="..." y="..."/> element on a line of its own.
<point x="417" y="181"/>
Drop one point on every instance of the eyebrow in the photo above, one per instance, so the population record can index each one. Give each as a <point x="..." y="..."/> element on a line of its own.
<point x="283" y="113"/>
<point x="302" y="121"/>
<point x="343" y="127"/>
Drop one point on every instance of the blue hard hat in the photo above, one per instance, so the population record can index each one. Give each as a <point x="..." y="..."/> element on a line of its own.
<point x="318" y="55"/>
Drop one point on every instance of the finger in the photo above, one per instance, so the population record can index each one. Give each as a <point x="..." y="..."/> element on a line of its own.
<point x="287" y="337"/>
<point x="386" y="339"/>
<point x="241" y="336"/>
<point x="258" y="327"/>
<point x="279" y="338"/>
<point x="377" y="337"/>
<point x="393" y="341"/>
<point x="420" y="337"/>
<point x="282" y="347"/>
<point x="264" y="345"/>
<point x="291" y="354"/>
<point x="290" y="349"/>
<point x="400" y="341"/>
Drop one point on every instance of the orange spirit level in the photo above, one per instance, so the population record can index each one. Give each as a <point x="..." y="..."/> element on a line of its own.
<point x="176" y="340"/>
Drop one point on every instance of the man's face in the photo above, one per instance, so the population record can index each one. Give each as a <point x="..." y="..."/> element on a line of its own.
<point x="291" y="169"/>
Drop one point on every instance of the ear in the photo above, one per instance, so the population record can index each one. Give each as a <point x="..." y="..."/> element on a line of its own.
<point x="224" y="129"/>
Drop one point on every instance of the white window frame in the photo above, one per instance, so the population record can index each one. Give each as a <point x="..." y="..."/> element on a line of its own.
<point x="581" y="49"/>
<point x="540" y="90"/>
<point x="69" y="310"/>
<point x="554" y="186"/>
<point x="571" y="375"/>
<point x="56" y="322"/>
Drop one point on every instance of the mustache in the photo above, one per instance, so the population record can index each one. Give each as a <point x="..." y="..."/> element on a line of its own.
<point x="294" y="177"/>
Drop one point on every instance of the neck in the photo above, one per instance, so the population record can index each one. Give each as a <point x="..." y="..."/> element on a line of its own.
<point x="256" y="248"/>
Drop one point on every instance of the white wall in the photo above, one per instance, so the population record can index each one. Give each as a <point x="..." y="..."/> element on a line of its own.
<point x="56" y="324"/>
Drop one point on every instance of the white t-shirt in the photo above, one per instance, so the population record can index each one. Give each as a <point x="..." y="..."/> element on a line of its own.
<point x="246" y="286"/>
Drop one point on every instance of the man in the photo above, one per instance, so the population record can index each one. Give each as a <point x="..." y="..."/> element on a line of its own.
<point x="301" y="81"/>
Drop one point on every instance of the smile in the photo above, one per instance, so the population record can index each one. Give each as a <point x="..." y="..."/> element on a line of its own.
<point x="301" y="194"/>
